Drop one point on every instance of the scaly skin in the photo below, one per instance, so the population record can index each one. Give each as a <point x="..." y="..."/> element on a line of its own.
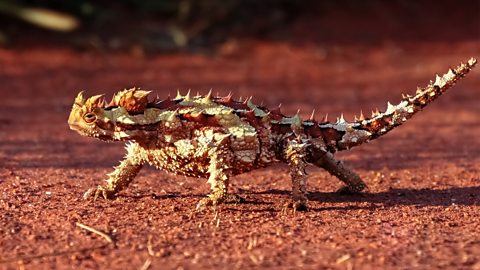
<point x="218" y="137"/>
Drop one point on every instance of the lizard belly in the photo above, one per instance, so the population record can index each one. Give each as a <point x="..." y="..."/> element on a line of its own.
<point x="191" y="157"/>
<point x="169" y="159"/>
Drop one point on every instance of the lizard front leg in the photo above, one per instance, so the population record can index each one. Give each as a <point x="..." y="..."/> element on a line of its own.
<point x="120" y="177"/>
<point x="295" y="155"/>
<point x="325" y="160"/>
<point x="219" y="171"/>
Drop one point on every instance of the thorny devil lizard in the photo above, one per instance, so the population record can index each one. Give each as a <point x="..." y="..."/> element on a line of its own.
<point x="218" y="137"/>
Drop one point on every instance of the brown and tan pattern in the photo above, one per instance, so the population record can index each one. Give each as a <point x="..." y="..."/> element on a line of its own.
<point x="219" y="137"/>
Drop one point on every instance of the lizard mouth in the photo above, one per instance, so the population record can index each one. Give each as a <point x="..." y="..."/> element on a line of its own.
<point x="75" y="127"/>
<point x="102" y="135"/>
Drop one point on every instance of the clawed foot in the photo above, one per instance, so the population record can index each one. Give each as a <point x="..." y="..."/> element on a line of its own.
<point x="98" y="191"/>
<point x="296" y="205"/>
<point x="352" y="190"/>
<point x="207" y="202"/>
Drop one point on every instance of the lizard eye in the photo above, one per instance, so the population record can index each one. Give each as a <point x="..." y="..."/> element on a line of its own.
<point x="90" y="117"/>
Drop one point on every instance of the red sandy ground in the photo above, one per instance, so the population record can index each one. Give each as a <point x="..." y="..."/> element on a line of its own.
<point x="421" y="212"/>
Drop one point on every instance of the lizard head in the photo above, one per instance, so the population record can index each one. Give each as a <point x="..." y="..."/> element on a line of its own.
<point x="125" y="118"/>
<point x="89" y="118"/>
<point x="131" y="116"/>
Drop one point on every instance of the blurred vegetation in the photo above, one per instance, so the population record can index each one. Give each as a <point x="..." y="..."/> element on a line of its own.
<point x="161" y="24"/>
<point x="39" y="16"/>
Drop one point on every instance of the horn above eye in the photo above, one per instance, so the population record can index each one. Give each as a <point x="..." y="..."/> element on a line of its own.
<point x="80" y="100"/>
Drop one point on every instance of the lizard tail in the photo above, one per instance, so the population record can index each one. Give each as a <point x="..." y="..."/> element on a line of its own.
<point x="343" y="135"/>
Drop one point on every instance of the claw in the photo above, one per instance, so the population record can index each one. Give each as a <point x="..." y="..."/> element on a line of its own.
<point x="97" y="191"/>
<point x="203" y="203"/>
<point x="88" y="193"/>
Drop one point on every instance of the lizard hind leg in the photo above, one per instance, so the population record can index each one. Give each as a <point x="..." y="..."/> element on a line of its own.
<point x="353" y="183"/>
<point x="295" y="155"/>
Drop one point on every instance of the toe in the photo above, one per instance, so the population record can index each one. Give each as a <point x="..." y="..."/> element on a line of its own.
<point x="96" y="192"/>
<point x="203" y="203"/>
<point x="88" y="194"/>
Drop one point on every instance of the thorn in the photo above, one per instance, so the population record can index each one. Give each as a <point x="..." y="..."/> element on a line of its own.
<point x="94" y="101"/>
<point x="325" y="119"/>
<point x="157" y="98"/>
<point x="312" y="116"/>
<point x="228" y="98"/>
<point x="296" y="121"/>
<point x="80" y="100"/>
<point x="178" y="96"/>
<point x="172" y="117"/>
<point x="140" y="96"/>
<point x="102" y="103"/>
<point x="472" y="62"/>
<point x="362" y="117"/>
<point x="112" y="103"/>
<point x="390" y="108"/>
<point x="208" y="97"/>
<point x="451" y="74"/>
<point x="439" y="81"/>
<point x="187" y="96"/>
<point x="341" y="119"/>
<point x="250" y="103"/>
<point x="419" y="90"/>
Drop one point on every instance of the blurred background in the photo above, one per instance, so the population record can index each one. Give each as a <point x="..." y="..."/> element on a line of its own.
<point x="209" y="25"/>
<point x="310" y="49"/>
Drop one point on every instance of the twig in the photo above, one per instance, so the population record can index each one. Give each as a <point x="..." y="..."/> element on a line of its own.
<point x="146" y="264"/>
<point x="149" y="247"/>
<point x="63" y="252"/>
<point x="95" y="231"/>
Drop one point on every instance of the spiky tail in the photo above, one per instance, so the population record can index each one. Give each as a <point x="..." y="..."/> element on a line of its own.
<point x="363" y="130"/>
